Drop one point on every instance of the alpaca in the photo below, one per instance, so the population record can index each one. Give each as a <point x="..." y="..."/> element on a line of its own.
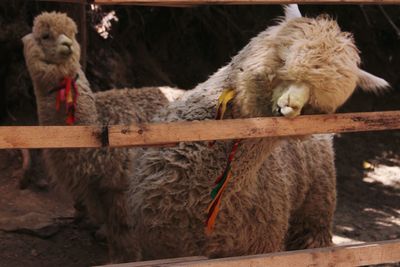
<point x="282" y="194"/>
<point x="98" y="178"/>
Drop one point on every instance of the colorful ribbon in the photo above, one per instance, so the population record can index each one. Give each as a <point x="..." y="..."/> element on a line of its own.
<point x="67" y="92"/>
<point x="222" y="181"/>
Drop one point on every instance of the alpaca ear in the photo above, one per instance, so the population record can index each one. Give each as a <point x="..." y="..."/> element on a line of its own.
<point x="371" y="83"/>
<point x="27" y="38"/>
<point x="291" y="11"/>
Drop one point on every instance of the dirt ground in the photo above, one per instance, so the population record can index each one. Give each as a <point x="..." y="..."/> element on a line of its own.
<point x="368" y="166"/>
<point x="38" y="226"/>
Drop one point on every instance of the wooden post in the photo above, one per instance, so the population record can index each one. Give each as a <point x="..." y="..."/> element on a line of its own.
<point x="83" y="33"/>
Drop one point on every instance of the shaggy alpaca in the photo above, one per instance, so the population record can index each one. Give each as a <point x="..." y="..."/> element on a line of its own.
<point x="282" y="194"/>
<point x="98" y="178"/>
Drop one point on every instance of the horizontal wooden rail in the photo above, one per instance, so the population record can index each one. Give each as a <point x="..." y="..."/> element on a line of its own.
<point x="67" y="1"/>
<point x="171" y="133"/>
<point x="236" y="2"/>
<point x="157" y="262"/>
<point x="187" y="3"/>
<point x="341" y="256"/>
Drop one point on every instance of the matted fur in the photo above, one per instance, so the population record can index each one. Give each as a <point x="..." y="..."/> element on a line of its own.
<point x="282" y="194"/>
<point x="96" y="177"/>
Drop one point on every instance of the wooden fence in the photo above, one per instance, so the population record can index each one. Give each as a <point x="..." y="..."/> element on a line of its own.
<point x="340" y="256"/>
<point x="171" y="133"/>
<point x="186" y="3"/>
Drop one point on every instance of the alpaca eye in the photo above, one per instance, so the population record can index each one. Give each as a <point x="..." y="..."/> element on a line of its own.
<point x="45" y="36"/>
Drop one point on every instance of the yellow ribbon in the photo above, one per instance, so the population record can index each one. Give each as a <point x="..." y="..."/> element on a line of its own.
<point x="227" y="95"/>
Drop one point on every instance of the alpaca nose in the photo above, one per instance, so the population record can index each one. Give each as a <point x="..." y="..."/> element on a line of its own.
<point x="65" y="41"/>
<point x="67" y="44"/>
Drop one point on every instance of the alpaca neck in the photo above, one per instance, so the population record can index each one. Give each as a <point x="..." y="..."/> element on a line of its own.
<point x="86" y="113"/>
<point x="251" y="153"/>
<point x="248" y="160"/>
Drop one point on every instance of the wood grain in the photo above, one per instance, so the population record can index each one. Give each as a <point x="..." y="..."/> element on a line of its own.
<point x="49" y="136"/>
<point x="340" y="256"/>
<point x="66" y="1"/>
<point x="157" y="262"/>
<point x="158" y="134"/>
<point x="188" y="3"/>
<point x="237" y="2"/>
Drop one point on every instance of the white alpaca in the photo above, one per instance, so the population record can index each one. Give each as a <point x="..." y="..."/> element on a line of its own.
<point x="282" y="194"/>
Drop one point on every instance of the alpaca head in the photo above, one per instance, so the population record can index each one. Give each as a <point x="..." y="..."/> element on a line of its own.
<point x="53" y="39"/>
<point x="319" y="65"/>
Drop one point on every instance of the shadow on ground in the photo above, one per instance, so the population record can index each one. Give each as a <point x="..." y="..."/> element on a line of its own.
<point x="368" y="186"/>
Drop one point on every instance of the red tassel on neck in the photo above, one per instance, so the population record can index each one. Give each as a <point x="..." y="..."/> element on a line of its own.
<point x="68" y="93"/>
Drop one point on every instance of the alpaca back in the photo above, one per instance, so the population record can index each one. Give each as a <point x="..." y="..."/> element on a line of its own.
<point x="127" y="106"/>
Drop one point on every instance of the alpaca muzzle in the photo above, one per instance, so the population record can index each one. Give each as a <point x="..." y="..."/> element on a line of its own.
<point x="292" y="101"/>
<point x="64" y="45"/>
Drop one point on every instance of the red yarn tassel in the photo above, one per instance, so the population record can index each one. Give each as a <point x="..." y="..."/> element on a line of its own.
<point x="67" y="92"/>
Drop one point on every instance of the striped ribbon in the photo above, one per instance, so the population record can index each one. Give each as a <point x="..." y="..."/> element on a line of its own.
<point x="222" y="181"/>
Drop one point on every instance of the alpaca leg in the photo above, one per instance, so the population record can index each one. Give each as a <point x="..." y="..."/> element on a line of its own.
<point x="25" y="179"/>
<point x="90" y="212"/>
<point x="260" y="232"/>
<point x="122" y="247"/>
<point x="80" y="211"/>
<point x="28" y="174"/>
<point x="241" y="243"/>
<point x="311" y="226"/>
<point x="88" y="203"/>
<point x="305" y="234"/>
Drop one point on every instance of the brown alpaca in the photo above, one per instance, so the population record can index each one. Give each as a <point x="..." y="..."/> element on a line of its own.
<point x="98" y="178"/>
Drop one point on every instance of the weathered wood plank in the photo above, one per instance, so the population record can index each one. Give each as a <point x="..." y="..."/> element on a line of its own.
<point x="154" y="134"/>
<point x="237" y="2"/>
<point x="170" y="133"/>
<point x="157" y="262"/>
<point x="49" y="136"/>
<point x="65" y="1"/>
<point x="83" y="33"/>
<point x="339" y="256"/>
